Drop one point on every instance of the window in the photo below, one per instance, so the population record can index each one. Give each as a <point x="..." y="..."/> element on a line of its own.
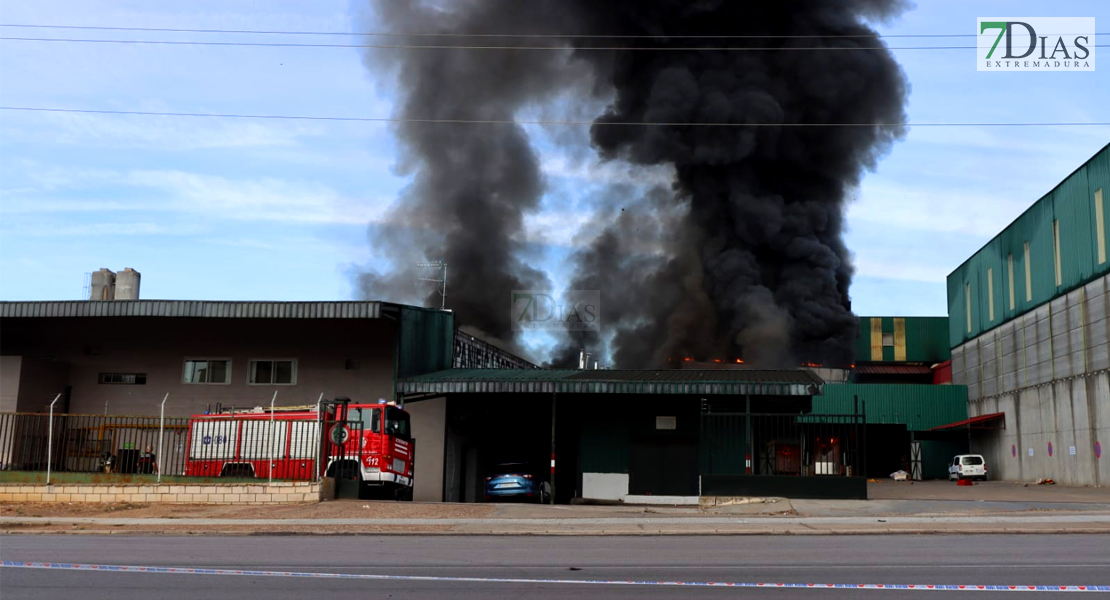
<point x="273" y="372"/>
<point x="1010" y="277"/>
<point x="1100" y="227"/>
<point x="371" y="418"/>
<point x="123" y="378"/>
<point x="888" y="340"/>
<point x="990" y="293"/>
<point x="967" y="299"/>
<point x="397" y="423"/>
<point x="973" y="460"/>
<point x="1056" y="252"/>
<point x="1028" y="276"/>
<point x="208" y="370"/>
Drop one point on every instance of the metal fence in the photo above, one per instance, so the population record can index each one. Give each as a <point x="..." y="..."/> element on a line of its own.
<point x="742" y="443"/>
<point x="249" y="445"/>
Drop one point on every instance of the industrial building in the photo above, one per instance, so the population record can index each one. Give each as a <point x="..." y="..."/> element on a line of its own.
<point x="1029" y="334"/>
<point x="1019" y="372"/>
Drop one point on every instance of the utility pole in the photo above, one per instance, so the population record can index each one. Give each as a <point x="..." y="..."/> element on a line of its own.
<point x="438" y="264"/>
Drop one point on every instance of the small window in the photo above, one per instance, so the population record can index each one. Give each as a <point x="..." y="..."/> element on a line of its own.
<point x="1010" y="277"/>
<point x="967" y="301"/>
<point x="990" y="294"/>
<point x="371" y="418"/>
<point x="122" y="378"/>
<point x="1028" y="276"/>
<point x="888" y="340"/>
<point x="1056" y="252"/>
<point x="208" y="370"/>
<point x="273" y="372"/>
<point x="1100" y="227"/>
<point x="973" y="460"/>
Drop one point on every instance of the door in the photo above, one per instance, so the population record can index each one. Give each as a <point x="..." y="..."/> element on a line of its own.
<point x="662" y="467"/>
<point x="915" y="461"/>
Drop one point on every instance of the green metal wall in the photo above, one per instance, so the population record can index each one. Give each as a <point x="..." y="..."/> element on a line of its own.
<point x="926" y="339"/>
<point x="424" y="341"/>
<point x="1072" y="204"/>
<point x="919" y="407"/>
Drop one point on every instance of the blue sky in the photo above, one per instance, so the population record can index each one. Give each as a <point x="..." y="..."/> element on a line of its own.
<point x="244" y="209"/>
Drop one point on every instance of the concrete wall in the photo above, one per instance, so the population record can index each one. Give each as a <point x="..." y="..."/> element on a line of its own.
<point x="1073" y="412"/>
<point x="604" y="486"/>
<point x="10" y="367"/>
<point x="81" y="349"/>
<point x="429" y="418"/>
<point x="272" y="493"/>
<point x="1048" y="372"/>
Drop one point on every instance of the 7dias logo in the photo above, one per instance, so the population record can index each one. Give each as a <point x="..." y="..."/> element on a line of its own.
<point x="1036" y="44"/>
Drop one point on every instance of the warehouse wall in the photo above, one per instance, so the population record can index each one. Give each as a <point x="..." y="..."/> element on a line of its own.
<point x="1066" y="414"/>
<point x="1047" y="371"/>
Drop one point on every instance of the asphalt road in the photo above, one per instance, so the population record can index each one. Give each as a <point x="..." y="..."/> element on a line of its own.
<point x="889" y="559"/>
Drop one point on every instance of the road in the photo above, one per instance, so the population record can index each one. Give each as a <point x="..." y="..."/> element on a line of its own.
<point x="888" y="559"/>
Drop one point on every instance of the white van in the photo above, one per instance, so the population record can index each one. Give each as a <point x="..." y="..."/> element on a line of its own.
<point x="967" y="466"/>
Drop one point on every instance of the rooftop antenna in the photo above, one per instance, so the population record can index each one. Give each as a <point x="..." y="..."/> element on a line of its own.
<point x="437" y="264"/>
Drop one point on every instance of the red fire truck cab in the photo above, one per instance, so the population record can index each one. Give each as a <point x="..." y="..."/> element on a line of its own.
<point x="368" y="442"/>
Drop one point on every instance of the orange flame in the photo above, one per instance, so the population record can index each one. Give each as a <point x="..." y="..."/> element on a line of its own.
<point x="739" y="361"/>
<point x="717" y="360"/>
<point x="687" y="359"/>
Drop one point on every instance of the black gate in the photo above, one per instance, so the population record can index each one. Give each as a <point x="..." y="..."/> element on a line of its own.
<point x="796" y="455"/>
<point x="342" y="453"/>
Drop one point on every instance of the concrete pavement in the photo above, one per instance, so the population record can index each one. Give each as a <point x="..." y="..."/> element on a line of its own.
<point x="626" y="525"/>
<point x="475" y="567"/>
<point x="930" y="507"/>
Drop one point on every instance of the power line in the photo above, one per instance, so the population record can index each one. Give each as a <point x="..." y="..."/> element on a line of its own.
<point x="539" y="122"/>
<point x="475" y="47"/>
<point x="494" y="35"/>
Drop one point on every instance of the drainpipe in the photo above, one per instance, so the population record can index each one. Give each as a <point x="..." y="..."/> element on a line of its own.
<point x="273" y="437"/>
<point x="50" y="440"/>
<point x="161" y="431"/>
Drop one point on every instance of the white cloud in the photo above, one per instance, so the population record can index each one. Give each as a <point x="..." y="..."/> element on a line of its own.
<point x="151" y="132"/>
<point x="204" y="196"/>
<point x="902" y="270"/>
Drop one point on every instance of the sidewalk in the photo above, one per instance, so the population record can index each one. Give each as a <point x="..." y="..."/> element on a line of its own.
<point x="929" y="507"/>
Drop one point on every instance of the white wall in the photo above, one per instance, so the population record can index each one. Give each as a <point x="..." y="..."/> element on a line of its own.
<point x="428" y="419"/>
<point x="604" y="486"/>
<point x="10" y="367"/>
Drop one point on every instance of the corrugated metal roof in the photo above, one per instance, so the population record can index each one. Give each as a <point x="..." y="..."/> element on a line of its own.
<point x="919" y="407"/>
<point x="573" y="381"/>
<point x="192" y="309"/>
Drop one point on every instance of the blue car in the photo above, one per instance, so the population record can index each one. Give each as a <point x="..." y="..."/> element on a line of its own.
<point x="516" y="481"/>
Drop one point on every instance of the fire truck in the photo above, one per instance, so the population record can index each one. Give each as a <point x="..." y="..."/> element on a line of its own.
<point x="370" y="444"/>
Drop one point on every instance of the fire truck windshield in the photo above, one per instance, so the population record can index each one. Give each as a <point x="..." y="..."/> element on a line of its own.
<point x="370" y="418"/>
<point x="397" y="423"/>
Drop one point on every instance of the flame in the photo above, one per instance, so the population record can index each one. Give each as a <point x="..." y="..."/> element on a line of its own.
<point x="739" y="361"/>
<point x="811" y="365"/>
<point x="687" y="359"/>
<point x="717" y="360"/>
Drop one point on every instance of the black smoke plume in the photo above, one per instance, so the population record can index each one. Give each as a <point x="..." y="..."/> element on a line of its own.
<point x="747" y="255"/>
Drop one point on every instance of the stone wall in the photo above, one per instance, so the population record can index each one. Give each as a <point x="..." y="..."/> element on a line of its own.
<point x="272" y="493"/>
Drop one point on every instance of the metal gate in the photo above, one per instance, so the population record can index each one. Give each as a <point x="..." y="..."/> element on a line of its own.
<point x="915" y="461"/>
<point x="341" y="456"/>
